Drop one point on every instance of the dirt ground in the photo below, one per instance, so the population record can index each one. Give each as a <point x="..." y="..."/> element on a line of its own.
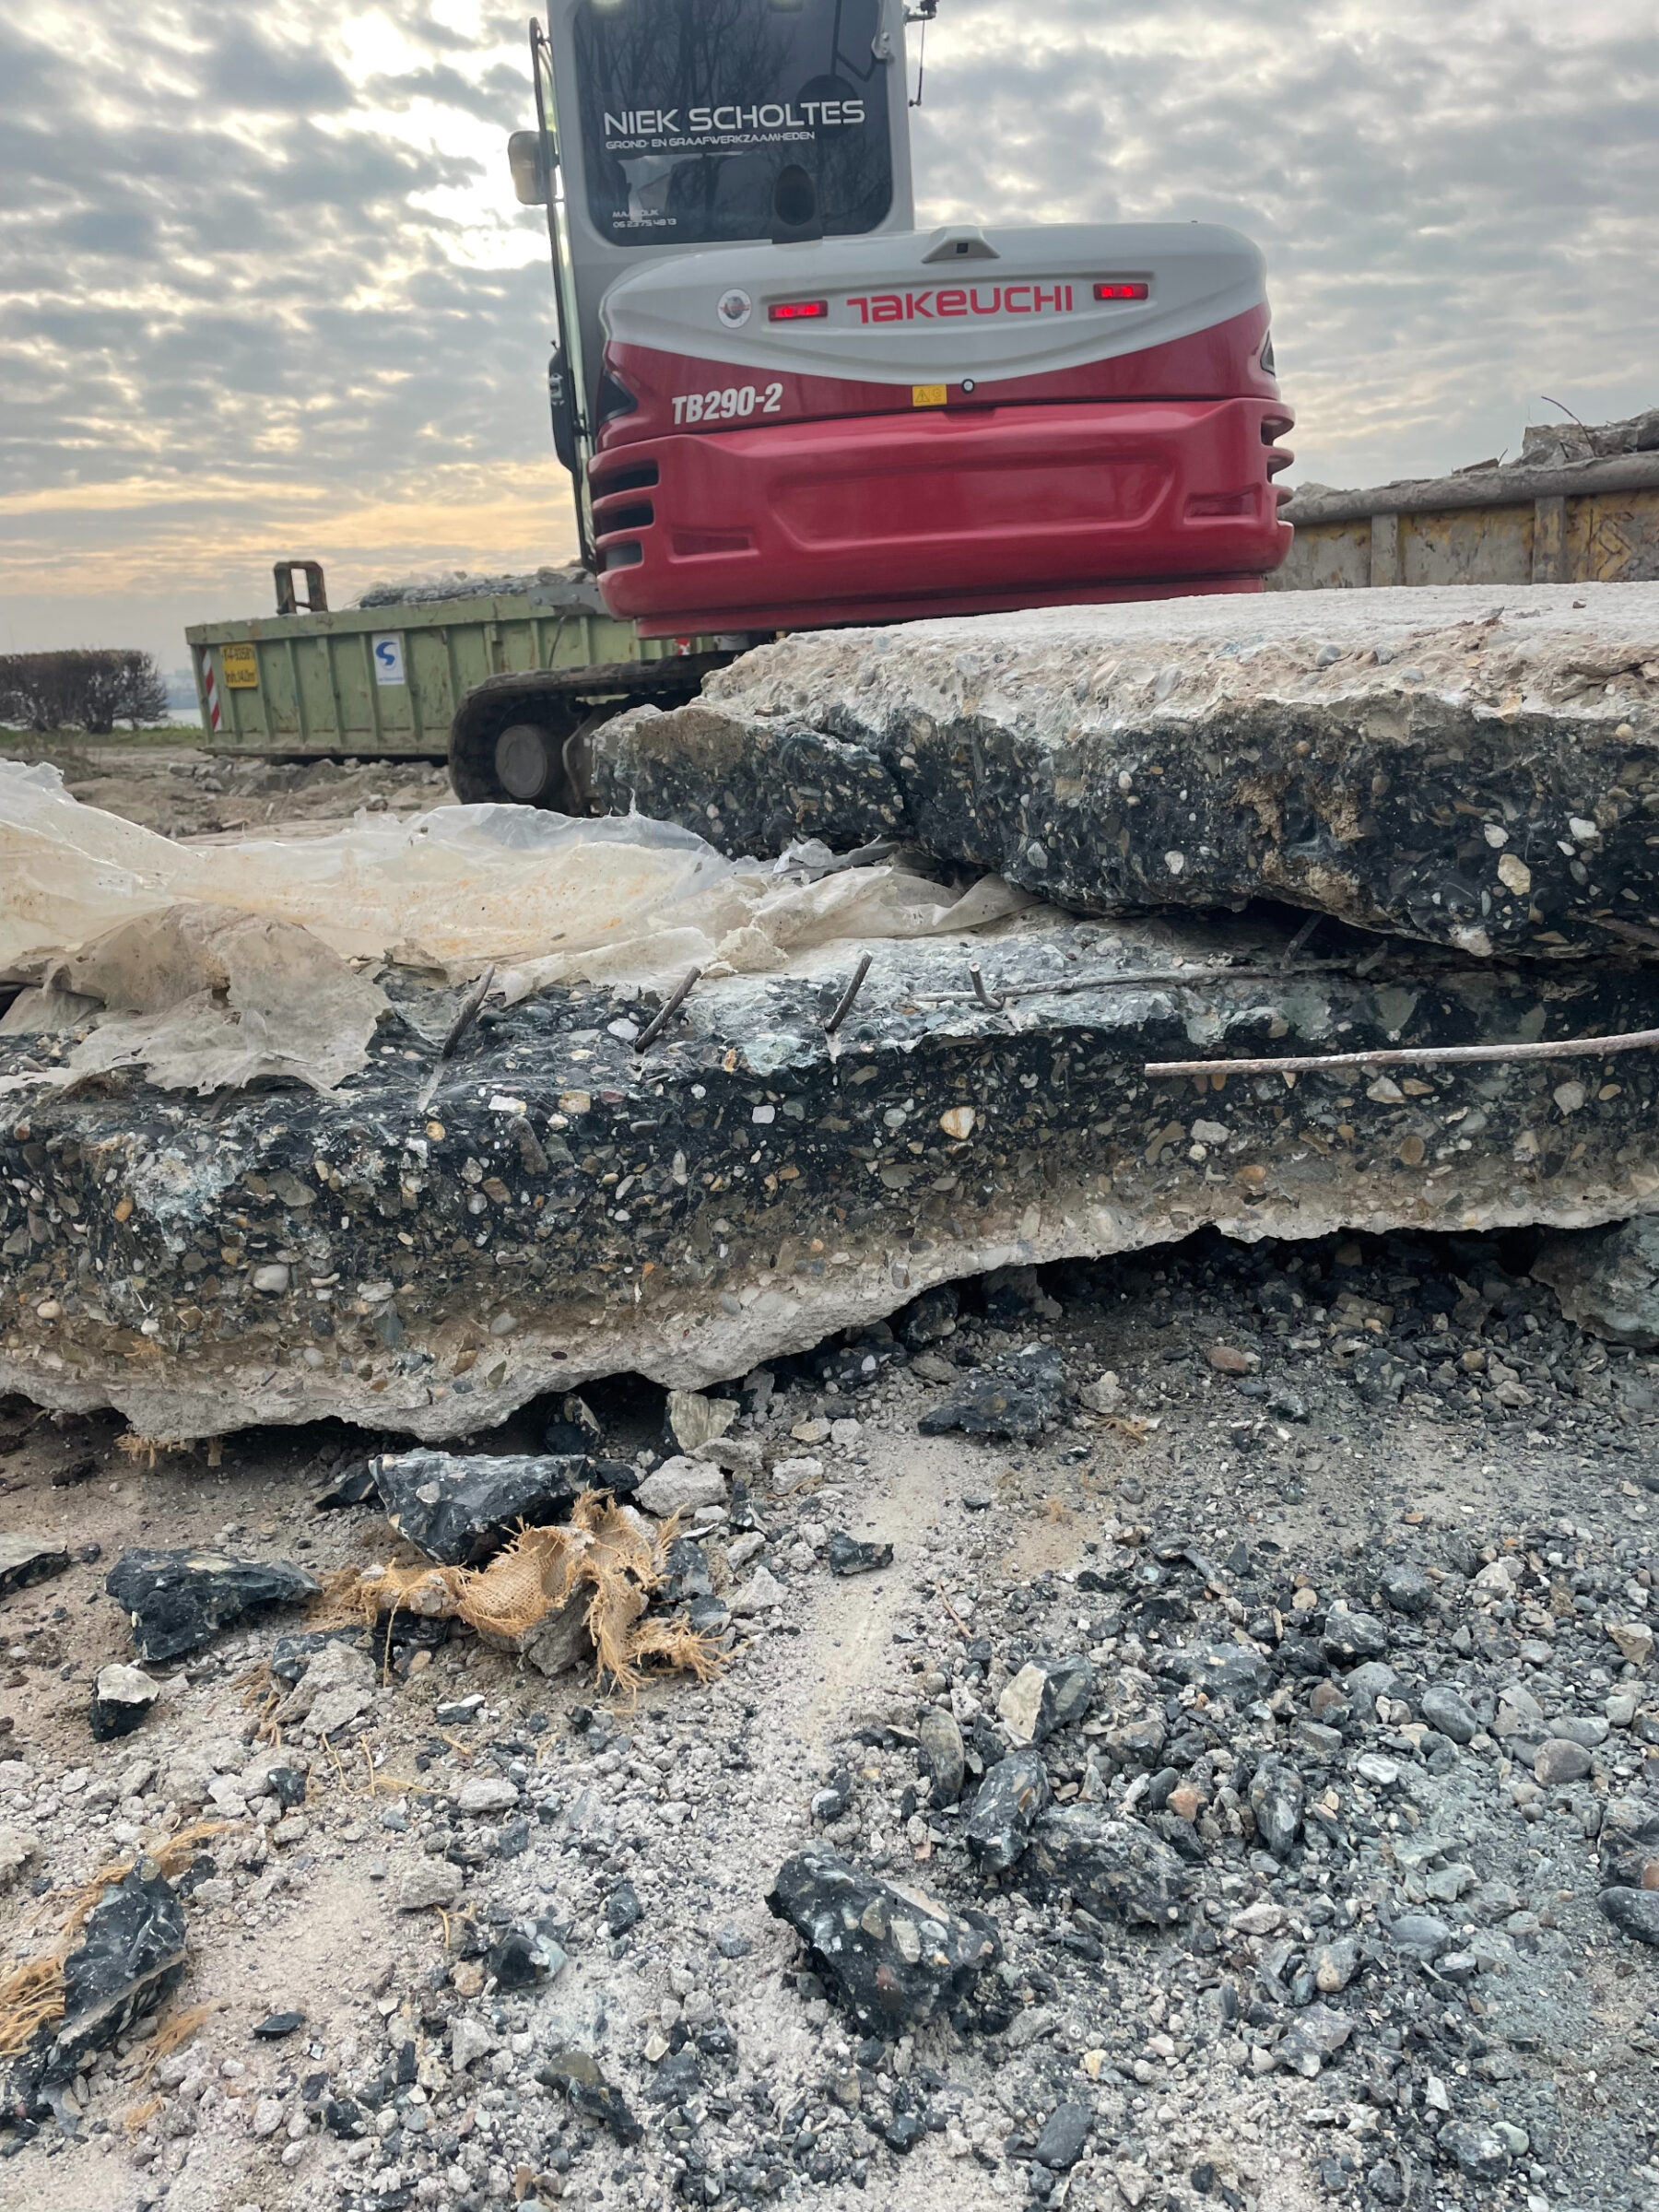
<point x="181" y="791"/>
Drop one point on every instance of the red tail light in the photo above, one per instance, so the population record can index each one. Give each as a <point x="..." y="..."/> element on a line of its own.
<point x="1121" y="288"/>
<point x="799" y="311"/>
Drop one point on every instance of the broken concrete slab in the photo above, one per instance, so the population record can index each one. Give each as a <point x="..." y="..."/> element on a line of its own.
<point x="1478" y="770"/>
<point x="748" y="1186"/>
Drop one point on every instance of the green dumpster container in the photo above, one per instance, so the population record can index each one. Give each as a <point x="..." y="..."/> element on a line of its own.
<point x="387" y="680"/>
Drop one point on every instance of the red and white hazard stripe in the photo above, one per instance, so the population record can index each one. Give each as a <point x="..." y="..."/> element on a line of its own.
<point x="215" y="718"/>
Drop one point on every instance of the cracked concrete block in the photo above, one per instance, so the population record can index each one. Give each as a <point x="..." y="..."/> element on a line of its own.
<point x="674" y="1235"/>
<point x="1476" y="768"/>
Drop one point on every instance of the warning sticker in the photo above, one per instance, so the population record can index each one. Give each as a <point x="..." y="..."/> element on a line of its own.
<point x="241" y="665"/>
<point x="929" y="395"/>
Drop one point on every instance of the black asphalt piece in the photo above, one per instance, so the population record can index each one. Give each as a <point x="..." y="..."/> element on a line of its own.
<point x="122" y="1697"/>
<point x="622" y="1909"/>
<point x="1018" y="1398"/>
<point x="1115" y="1868"/>
<point x="130" y="1958"/>
<point x="1006" y="1803"/>
<point x="177" y="1601"/>
<point x="523" y="1955"/>
<point x="275" y="2025"/>
<point x="847" y="1556"/>
<point x="28" y="1559"/>
<point x="1065" y="2133"/>
<point x="576" y="2072"/>
<point x="891" y="1957"/>
<point x="286" y="1785"/>
<point x="1634" y="1913"/>
<point x="460" y="1509"/>
<point x="353" y="1486"/>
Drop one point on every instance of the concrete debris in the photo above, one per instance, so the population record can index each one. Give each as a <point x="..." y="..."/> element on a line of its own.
<point x="1608" y="1280"/>
<point x="17" y="1852"/>
<point x="750" y="1187"/>
<point x="680" y="1485"/>
<point x="1404" y="760"/>
<point x="889" y="1955"/>
<point x="692" y="1420"/>
<point x="177" y="1601"/>
<point x="460" y="1509"/>
<point x="1018" y="1398"/>
<point x="1046" y="1694"/>
<point x="1550" y="444"/>
<point x="571" y="588"/>
<point x="130" y="1957"/>
<point x="122" y="1697"/>
<point x="26" y="1560"/>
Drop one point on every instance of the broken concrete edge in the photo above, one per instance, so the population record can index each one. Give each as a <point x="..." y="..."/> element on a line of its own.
<point x="1423" y="763"/>
<point x="751" y="1188"/>
<point x="870" y="1288"/>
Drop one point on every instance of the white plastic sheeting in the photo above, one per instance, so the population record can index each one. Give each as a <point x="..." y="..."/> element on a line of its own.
<point x="549" y="900"/>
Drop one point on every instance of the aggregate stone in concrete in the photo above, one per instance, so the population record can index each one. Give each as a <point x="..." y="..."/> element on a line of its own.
<point x="1478" y="768"/>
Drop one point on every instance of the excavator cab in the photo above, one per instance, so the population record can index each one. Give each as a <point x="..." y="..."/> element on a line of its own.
<point x="787" y="407"/>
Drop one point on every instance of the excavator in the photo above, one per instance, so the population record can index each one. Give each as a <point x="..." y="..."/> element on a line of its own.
<point x="782" y="406"/>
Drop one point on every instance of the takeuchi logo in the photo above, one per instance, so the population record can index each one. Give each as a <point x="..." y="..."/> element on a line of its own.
<point x="965" y="300"/>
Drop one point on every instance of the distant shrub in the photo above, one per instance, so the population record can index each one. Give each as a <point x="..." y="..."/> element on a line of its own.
<point x="85" y="690"/>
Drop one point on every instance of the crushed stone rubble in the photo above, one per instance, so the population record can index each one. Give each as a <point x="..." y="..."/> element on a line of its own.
<point x="1247" y="1780"/>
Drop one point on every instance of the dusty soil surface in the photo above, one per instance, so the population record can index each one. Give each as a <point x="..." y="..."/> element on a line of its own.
<point x="182" y="792"/>
<point x="1368" y="1474"/>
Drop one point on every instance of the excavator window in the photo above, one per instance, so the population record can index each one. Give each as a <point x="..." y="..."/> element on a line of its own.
<point x="719" y="122"/>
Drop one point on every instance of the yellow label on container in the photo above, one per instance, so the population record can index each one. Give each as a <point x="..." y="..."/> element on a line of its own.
<point x="240" y="666"/>
<point x="929" y="395"/>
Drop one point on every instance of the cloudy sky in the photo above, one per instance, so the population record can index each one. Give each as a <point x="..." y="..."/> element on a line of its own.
<point x="264" y="290"/>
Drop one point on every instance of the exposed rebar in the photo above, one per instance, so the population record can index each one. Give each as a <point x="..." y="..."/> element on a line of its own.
<point x="655" y="1027"/>
<point x="1427" y="1055"/>
<point x="463" y="1021"/>
<point x="991" y="1001"/>
<point x="844" y="1006"/>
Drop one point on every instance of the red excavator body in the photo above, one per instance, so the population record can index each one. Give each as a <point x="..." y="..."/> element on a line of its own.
<point x="865" y="431"/>
<point x="783" y="406"/>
